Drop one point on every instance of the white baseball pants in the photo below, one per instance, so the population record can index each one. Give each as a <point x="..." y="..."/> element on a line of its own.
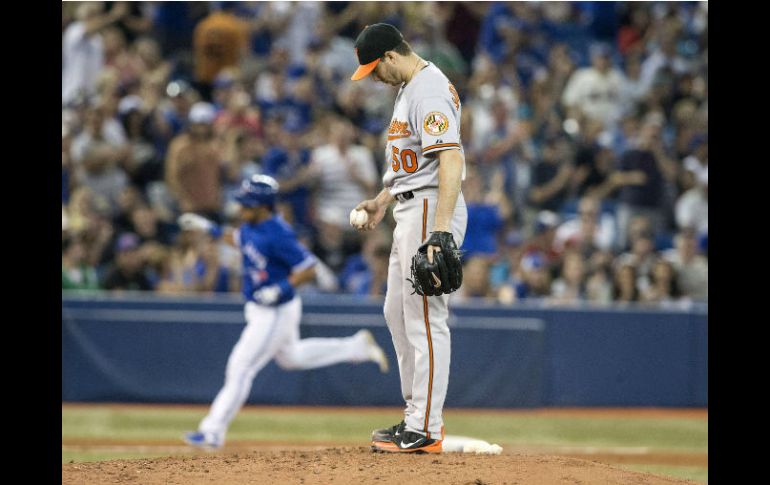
<point x="418" y="324"/>
<point x="273" y="332"/>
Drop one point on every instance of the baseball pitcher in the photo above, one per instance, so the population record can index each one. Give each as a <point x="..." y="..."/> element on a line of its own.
<point x="426" y="166"/>
<point x="274" y="264"/>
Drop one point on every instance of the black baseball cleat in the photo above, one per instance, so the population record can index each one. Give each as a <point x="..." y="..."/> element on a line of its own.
<point x="409" y="442"/>
<point x="387" y="434"/>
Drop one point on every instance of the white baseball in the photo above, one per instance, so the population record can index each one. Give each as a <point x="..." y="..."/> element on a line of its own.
<point x="358" y="217"/>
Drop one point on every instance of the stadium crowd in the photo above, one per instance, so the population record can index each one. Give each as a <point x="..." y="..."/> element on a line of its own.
<point x="585" y="128"/>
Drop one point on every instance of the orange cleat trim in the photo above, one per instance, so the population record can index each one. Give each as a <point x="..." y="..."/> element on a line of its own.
<point x="390" y="447"/>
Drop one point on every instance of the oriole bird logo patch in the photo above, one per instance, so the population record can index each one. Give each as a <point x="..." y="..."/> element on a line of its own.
<point x="436" y="123"/>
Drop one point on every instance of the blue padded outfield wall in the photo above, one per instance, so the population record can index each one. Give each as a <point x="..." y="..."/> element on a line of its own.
<point x="147" y="348"/>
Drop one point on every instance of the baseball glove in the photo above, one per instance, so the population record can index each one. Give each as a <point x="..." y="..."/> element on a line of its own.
<point x="445" y="274"/>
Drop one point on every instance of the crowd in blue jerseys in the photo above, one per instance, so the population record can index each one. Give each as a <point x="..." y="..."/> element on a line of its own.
<point x="584" y="124"/>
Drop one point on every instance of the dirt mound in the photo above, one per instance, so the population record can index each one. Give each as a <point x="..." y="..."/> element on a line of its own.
<point x="355" y="465"/>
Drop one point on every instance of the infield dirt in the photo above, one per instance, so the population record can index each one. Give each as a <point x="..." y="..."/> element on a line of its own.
<point x="355" y="465"/>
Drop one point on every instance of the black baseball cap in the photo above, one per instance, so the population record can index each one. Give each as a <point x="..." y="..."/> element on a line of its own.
<point x="371" y="45"/>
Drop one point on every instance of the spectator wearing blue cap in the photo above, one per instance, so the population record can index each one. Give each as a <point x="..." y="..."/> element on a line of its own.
<point x="532" y="280"/>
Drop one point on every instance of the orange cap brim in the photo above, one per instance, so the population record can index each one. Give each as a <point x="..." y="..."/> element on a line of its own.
<point x="364" y="70"/>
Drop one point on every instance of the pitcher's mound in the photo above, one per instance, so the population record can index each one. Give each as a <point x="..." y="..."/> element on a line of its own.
<point x="359" y="466"/>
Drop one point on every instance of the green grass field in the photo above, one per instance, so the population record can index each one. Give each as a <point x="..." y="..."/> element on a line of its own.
<point x="93" y="433"/>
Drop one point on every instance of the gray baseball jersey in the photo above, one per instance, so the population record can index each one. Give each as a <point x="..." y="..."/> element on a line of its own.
<point x="426" y="120"/>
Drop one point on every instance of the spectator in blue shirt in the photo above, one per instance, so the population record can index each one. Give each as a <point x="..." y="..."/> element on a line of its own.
<point x="287" y="161"/>
<point x="487" y="211"/>
<point x="366" y="273"/>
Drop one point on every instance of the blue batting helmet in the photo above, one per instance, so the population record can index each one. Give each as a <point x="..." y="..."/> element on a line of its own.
<point x="257" y="190"/>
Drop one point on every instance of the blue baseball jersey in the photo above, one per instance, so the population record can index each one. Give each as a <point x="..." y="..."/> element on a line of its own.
<point x="271" y="253"/>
